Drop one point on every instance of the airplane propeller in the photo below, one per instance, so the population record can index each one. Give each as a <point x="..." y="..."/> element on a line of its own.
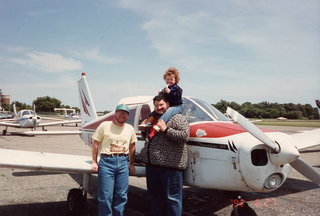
<point x="280" y="154"/>
<point x="34" y="123"/>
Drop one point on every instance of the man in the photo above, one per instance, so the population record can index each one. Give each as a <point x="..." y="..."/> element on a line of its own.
<point x="117" y="141"/>
<point x="165" y="154"/>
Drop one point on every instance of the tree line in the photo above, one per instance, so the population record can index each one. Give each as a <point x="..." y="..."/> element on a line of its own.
<point x="271" y="110"/>
<point x="259" y="110"/>
<point x="42" y="104"/>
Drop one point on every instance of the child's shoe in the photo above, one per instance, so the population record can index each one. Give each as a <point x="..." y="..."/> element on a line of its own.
<point x="157" y="128"/>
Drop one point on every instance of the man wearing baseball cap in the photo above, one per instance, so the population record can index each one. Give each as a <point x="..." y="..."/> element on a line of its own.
<point x="117" y="144"/>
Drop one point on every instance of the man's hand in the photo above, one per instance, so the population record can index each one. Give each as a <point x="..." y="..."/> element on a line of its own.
<point x="94" y="166"/>
<point x="132" y="169"/>
<point x="162" y="125"/>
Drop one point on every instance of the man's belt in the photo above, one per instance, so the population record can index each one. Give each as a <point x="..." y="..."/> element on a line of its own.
<point x="114" y="155"/>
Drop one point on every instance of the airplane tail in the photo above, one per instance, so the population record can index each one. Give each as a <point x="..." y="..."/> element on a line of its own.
<point x="87" y="108"/>
<point x="318" y="105"/>
<point x="14" y="110"/>
<point x="65" y="113"/>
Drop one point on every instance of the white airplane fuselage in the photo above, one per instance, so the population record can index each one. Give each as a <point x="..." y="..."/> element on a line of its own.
<point x="27" y="119"/>
<point x="222" y="156"/>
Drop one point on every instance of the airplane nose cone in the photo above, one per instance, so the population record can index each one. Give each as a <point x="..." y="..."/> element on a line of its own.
<point x="287" y="154"/>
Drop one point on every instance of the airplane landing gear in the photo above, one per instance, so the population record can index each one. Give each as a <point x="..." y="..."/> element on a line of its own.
<point x="4" y="132"/>
<point x="77" y="202"/>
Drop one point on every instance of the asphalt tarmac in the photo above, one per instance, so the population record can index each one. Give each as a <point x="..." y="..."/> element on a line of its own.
<point x="26" y="193"/>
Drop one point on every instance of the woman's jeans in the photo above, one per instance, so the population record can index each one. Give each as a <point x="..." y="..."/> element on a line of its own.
<point x="113" y="177"/>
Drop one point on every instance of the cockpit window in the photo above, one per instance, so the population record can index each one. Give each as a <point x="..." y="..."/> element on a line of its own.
<point x="25" y="113"/>
<point x="193" y="112"/>
<point x="211" y="110"/>
<point x="32" y="112"/>
<point x="198" y="110"/>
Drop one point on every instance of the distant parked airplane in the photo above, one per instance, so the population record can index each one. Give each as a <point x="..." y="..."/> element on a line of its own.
<point x="29" y="119"/>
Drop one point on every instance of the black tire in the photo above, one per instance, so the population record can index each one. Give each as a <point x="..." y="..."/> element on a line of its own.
<point x="77" y="203"/>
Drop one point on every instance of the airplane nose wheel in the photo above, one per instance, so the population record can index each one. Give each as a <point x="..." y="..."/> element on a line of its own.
<point x="77" y="202"/>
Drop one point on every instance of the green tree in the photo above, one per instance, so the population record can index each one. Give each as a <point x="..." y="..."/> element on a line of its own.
<point x="222" y="105"/>
<point x="20" y="106"/>
<point x="309" y="111"/>
<point x="46" y="104"/>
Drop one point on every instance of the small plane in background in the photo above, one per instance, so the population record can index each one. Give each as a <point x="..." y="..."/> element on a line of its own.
<point x="223" y="155"/>
<point x="71" y="116"/>
<point x="29" y="119"/>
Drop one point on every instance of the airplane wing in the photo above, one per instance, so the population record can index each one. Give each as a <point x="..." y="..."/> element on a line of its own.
<point x="52" y="119"/>
<point x="59" y="123"/>
<point x="307" y="139"/>
<point x="9" y="124"/>
<point x="33" y="133"/>
<point x="45" y="161"/>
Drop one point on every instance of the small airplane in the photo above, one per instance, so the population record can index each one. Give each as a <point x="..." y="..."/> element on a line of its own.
<point x="71" y="116"/>
<point x="29" y="119"/>
<point x="223" y="154"/>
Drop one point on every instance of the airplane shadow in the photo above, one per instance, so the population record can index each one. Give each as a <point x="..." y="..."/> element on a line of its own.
<point x="196" y="201"/>
<point x="34" y="173"/>
<point x="40" y="209"/>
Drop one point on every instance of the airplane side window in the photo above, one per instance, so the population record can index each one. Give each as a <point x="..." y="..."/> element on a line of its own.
<point x="132" y="114"/>
<point x="145" y="112"/>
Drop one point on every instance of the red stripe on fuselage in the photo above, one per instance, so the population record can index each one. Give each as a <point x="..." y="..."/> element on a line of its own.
<point x="216" y="129"/>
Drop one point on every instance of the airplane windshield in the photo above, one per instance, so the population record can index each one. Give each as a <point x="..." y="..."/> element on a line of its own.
<point x="198" y="110"/>
<point x="26" y="113"/>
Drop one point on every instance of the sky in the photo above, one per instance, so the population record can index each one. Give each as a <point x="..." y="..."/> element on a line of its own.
<point x="235" y="50"/>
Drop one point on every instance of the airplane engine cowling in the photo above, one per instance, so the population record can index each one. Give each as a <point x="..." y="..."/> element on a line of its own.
<point x="257" y="170"/>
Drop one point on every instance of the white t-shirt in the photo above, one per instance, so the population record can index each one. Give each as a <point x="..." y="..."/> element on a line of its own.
<point x="114" y="139"/>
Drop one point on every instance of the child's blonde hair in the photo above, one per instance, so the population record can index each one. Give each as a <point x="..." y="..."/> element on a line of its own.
<point x="172" y="71"/>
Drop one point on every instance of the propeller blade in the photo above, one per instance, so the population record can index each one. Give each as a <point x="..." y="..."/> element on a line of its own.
<point x="306" y="170"/>
<point x="34" y="124"/>
<point x="252" y="129"/>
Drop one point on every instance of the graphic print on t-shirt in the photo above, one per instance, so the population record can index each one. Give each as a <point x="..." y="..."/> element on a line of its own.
<point x="118" y="146"/>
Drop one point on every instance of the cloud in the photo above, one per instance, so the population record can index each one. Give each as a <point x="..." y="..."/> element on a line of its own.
<point x="37" y="13"/>
<point x="46" y="62"/>
<point x="246" y="49"/>
<point x="95" y="55"/>
<point x="238" y="36"/>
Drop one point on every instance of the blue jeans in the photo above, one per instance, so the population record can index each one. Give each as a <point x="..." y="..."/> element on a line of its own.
<point x="113" y="178"/>
<point x="165" y="187"/>
<point x="171" y="112"/>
